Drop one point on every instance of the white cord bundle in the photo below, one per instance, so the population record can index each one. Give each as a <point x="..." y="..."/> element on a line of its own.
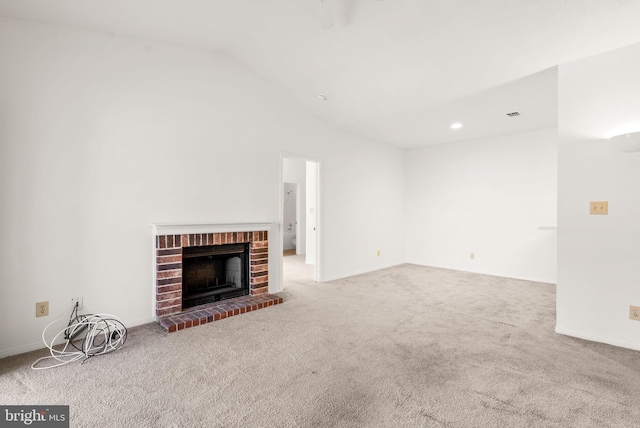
<point x="103" y="333"/>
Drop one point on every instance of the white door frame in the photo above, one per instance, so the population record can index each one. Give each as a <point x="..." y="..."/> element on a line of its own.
<point x="317" y="267"/>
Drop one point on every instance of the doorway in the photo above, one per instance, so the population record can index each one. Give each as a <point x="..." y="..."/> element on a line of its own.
<point x="299" y="220"/>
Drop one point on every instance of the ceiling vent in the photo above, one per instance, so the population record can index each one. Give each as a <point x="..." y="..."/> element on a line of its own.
<point x="513" y="114"/>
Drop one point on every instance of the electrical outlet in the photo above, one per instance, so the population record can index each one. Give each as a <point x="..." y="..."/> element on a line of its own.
<point x="378" y="253"/>
<point x="77" y="300"/>
<point x="599" y="208"/>
<point x="634" y="313"/>
<point x="472" y="256"/>
<point x="42" y="309"/>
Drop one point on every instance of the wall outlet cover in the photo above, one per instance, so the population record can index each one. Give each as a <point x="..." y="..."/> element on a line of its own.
<point x="599" y="208"/>
<point x="42" y="309"/>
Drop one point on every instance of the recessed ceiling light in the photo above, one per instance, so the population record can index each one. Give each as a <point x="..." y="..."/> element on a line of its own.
<point x="321" y="97"/>
<point x="456" y="125"/>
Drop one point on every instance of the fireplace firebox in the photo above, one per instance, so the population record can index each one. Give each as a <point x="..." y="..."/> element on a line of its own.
<point x="214" y="272"/>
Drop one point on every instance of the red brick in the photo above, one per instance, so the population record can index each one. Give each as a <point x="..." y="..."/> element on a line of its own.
<point x="177" y="273"/>
<point x="168" y="266"/>
<point x="168" y="303"/>
<point x="172" y="295"/>
<point x="168" y="311"/>
<point x="169" y="252"/>
<point x="176" y="258"/>
<point x="168" y="288"/>
<point x="257" y="278"/>
<point x="169" y="281"/>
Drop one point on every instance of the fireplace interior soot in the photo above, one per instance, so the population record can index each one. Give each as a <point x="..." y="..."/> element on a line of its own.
<point x="213" y="273"/>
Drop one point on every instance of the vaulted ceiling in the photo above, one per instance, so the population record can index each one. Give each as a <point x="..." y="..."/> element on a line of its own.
<point x="398" y="71"/>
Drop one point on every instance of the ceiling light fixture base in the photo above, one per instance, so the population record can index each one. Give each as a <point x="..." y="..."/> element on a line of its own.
<point x="629" y="143"/>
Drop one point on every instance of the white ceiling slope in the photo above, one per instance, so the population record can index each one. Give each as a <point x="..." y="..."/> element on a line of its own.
<point x="399" y="71"/>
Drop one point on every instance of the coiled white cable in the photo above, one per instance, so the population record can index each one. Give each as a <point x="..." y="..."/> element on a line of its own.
<point x="103" y="333"/>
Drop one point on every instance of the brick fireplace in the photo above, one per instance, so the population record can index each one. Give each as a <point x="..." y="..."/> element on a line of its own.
<point x="169" y="244"/>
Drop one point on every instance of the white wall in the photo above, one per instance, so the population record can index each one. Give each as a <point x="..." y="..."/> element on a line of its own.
<point x="486" y="197"/>
<point x="365" y="184"/>
<point x="294" y="171"/>
<point x="311" y="218"/>
<point x="102" y="135"/>
<point x="599" y="256"/>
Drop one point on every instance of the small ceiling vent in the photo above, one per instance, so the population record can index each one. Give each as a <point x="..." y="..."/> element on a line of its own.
<point x="513" y="114"/>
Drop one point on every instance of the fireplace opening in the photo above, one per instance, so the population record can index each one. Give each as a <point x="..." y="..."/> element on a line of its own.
<point x="214" y="272"/>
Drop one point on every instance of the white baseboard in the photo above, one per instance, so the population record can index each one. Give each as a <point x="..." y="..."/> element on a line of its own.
<point x="140" y="321"/>
<point x="363" y="271"/>
<point x="596" y="338"/>
<point x="40" y="345"/>
<point x="491" y="273"/>
<point x="21" y="349"/>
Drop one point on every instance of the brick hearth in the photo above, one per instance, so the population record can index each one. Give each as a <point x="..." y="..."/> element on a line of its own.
<point x="210" y="312"/>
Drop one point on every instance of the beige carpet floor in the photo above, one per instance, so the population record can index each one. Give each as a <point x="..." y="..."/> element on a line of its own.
<point x="407" y="346"/>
